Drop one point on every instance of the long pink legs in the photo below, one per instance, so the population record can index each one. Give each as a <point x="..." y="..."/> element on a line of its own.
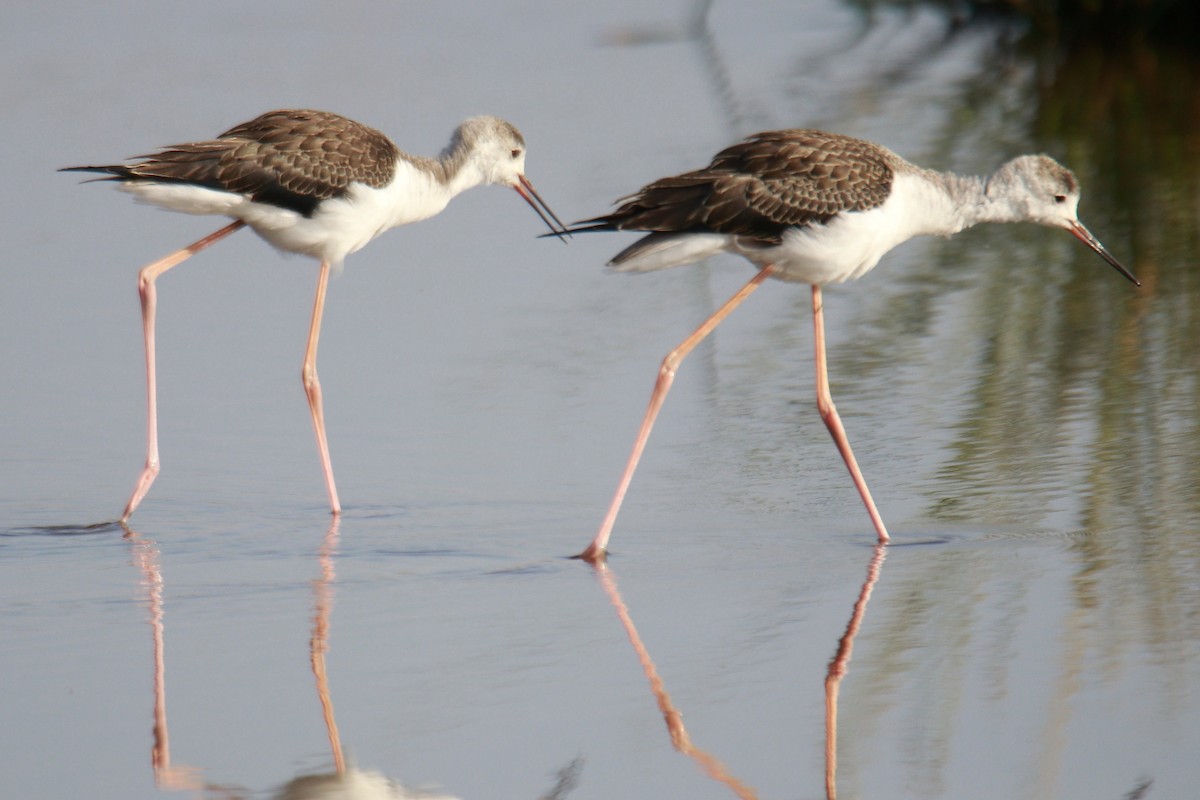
<point x="833" y="421"/>
<point x="596" y="551"/>
<point x="312" y="387"/>
<point x="149" y="295"/>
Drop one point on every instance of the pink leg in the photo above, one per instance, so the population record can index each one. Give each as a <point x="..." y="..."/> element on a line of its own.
<point x="312" y="387"/>
<point x="833" y="421"/>
<point x="596" y="551"/>
<point x="149" y="295"/>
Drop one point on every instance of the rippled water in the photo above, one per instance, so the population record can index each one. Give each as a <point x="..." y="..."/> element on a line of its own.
<point x="1027" y="421"/>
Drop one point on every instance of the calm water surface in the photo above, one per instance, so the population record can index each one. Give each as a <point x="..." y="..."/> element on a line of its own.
<point x="1028" y="422"/>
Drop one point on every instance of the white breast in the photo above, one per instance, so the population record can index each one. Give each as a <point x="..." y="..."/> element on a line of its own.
<point x="337" y="228"/>
<point x="851" y="244"/>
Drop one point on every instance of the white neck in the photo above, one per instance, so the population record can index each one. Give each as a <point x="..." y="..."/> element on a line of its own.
<point x="455" y="169"/>
<point x="961" y="201"/>
<point x="938" y="203"/>
<point x="425" y="186"/>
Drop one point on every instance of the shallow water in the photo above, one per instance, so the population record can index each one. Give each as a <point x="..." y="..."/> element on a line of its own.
<point x="1027" y="421"/>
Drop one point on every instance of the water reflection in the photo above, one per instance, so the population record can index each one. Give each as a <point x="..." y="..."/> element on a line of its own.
<point x="839" y="666"/>
<point x="353" y="784"/>
<point x="345" y="782"/>
<point x="173" y="777"/>
<point x="348" y="783"/>
<point x="680" y="739"/>
<point x="898" y="657"/>
<point x="319" y="643"/>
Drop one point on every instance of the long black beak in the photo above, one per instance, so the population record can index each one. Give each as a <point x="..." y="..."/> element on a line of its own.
<point x="526" y="190"/>
<point x="1084" y="235"/>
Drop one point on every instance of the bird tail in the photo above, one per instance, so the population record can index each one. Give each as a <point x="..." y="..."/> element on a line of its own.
<point x="584" y="226"/>
<point x="110" y="172"/>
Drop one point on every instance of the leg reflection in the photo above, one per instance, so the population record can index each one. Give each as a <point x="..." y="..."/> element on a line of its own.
<point x="840" y="665"/>
<point x="168" y="776"/>
<point x="319" y="643"/>
<point x="671" y="715"/>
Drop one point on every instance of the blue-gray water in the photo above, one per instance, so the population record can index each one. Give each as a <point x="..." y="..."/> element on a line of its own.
<point x="1028" y="422"/>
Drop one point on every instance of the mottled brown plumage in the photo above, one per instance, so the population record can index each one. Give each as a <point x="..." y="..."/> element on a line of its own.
<point x="315" y="184"/>
<point x="819" y="208"/>
<point x="289" y="158"/>
<point x="763" y="186"/>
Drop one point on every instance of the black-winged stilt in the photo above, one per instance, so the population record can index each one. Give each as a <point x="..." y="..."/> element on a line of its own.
<point x="313" y="183"/>
<point x="816" y="208"/>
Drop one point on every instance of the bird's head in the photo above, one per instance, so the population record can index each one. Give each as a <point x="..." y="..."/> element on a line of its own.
<point x="1038" y="189"/>
<point x="496" y="150"/>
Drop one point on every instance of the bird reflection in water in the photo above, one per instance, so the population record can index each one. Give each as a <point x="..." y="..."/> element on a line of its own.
<point x="840" y="665"/>
<point x="681" y="741"/>
<point x="147" y="558"/>
<point x="345" y="782"/>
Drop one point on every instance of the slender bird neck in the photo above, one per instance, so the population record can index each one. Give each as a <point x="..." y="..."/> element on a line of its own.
<point x="938" y="203"/>
<point x="961" y="201"/>
<point x="454" y="169"/>
<point x="424" y="186"/>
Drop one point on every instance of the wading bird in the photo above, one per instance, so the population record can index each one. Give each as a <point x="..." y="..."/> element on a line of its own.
<point x="313" y="183"/>
<point x="816" y="208"/>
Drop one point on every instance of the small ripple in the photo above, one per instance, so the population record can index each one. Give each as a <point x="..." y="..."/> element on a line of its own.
<point x="544" y="567"/>
<point x="416" y="552"/>
<point x="111" y="526"/>
<point x="924" y="541"/>
<point x="375" y="511"/>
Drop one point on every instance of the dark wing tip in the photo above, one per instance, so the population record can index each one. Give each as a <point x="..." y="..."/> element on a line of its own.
<point x="114" y="172"/>
<point x="583" y="226"/>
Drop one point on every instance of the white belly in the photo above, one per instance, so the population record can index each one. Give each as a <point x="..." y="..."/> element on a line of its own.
<point x="846" y="247"/>
<point x="337" y="228"/>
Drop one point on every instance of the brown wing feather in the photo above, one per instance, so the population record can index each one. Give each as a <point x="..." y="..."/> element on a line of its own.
<point x="289" y="158"/>
<point x="761" y="187"/>
<point x="311" y="153"/>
